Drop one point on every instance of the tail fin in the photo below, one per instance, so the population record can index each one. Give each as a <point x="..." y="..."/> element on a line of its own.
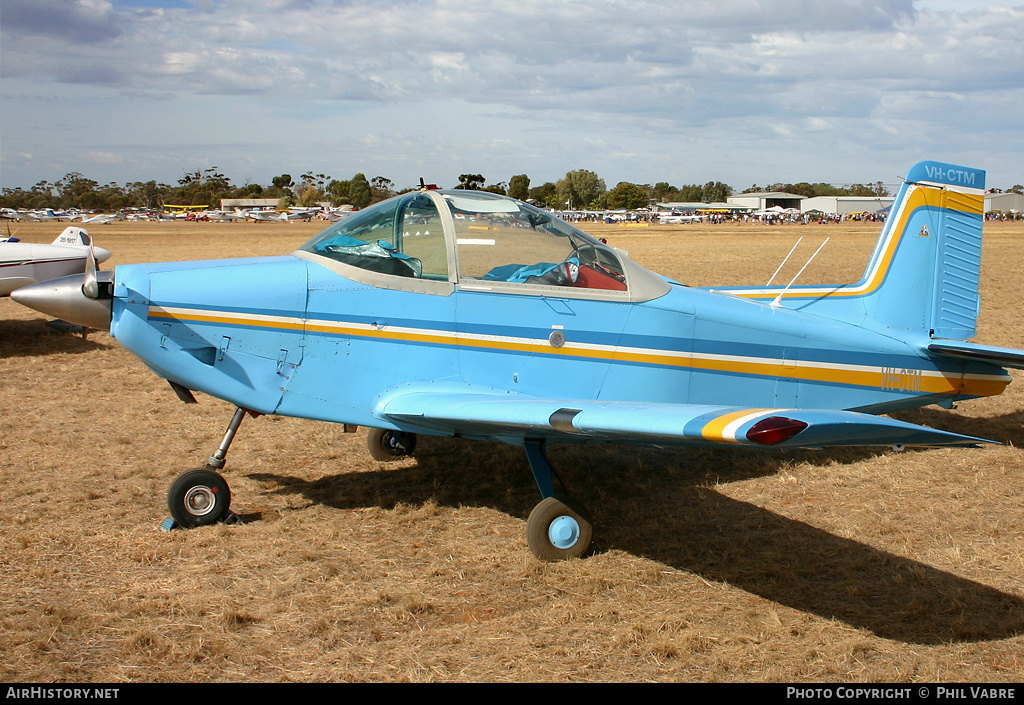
<point x="923" y="274"/>
<point x="73" y="236"/>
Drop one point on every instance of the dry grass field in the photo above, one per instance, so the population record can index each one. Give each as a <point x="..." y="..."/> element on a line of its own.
<point x="709" y="565"/>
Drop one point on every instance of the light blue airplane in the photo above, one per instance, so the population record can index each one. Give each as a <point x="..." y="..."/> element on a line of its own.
<point x="468" y="314"/>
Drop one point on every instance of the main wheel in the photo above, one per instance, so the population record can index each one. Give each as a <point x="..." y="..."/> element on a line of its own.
<point x="558" y="528"/>
<point x="198" y="497"/>
<point x="385" y="444"/>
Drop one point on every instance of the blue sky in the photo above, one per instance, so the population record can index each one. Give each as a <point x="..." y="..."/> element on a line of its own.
<point x="740" y="91"/>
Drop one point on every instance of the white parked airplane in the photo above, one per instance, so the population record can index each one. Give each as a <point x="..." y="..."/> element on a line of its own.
<point x="669" y="218"/>
<point x="102" y="218"/>
<point x="267" y="216"/>
<point x="219" y="216"/>
<point x="24" y="263"/>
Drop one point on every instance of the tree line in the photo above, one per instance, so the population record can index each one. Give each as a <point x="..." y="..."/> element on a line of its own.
<point x="577" y="190"/>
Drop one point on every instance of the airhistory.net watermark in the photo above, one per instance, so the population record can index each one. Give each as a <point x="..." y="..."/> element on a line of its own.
<point x="49" y="693"/>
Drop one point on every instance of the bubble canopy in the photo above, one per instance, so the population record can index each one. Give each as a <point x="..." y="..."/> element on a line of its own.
<point x="476" y="239"/>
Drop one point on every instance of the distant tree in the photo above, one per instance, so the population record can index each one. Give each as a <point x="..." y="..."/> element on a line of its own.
<point x="875" y="189"/>
<point x="359" y="193"/>
<point x="44" y="188"/>
<point x="661" y="190"/>
<point x="580" y="188"/>
<point x="145" y="195"/>
<point x="546" y="194"/>
<point x="203" y="187"/>
<point x="338" y="191"/>
<point x="311" y="188"/>
<point x="519" y="187"/>
<point x="74" y="189"/>
<point x="311" y="179"/>
<point x="282" y="181"/>
<point x="202" y="197"/>
<point x="382" y="188"/>
<point x="16" y="198"/>
<point x="628" y="196"/>
<point x="499" y="188"/>
<point x="310" y="196"/>
<point x="471" y="182"/>
<point x="1016" y="188"/>
<point x="822" y="189"/>
<point x="691" y="193"/>
<point x="715" y="192"/>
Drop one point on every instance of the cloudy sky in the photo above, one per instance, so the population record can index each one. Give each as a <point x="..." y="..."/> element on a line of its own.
<point x="740" y="91"/>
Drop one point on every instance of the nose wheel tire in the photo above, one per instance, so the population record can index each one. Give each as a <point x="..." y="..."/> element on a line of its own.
<point x="198" y="498"/>
<point x="385" y="444"/>
<point x="559" y="528"/>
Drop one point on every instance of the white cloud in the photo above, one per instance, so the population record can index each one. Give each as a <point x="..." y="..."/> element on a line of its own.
<point x="557" y="84"/>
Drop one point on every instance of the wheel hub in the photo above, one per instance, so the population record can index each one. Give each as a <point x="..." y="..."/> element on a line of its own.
<point x="564" y="532"/>
<point x="200" y="500"/>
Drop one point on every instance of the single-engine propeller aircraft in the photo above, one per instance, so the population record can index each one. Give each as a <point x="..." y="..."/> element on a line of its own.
<point x="464" y="313"/>
<point x="24" y="263"/>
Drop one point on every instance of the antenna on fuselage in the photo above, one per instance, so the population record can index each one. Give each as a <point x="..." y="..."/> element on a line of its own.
<point x="785" y="260"/>
<point x="777" y="302"/>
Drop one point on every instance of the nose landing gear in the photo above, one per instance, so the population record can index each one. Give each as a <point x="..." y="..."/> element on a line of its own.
<point x="201" y="497"/>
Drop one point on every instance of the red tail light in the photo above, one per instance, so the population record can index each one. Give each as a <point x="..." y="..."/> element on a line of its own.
<point x="774" y="430"/>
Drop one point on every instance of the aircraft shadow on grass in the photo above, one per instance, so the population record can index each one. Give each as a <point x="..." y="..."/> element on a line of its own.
<point x="691" y="527"/>
<point x="1007" y="429"/>
<point x="30" y="338"/>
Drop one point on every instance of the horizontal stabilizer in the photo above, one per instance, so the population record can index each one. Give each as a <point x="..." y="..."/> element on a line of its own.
<point x="511" y="417"/>
<point x="1003" y="357"/>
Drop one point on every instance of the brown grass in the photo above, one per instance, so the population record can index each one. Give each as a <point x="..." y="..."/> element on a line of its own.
<point x="710" y="565"/>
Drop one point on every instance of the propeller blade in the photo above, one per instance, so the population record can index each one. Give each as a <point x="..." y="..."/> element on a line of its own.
<point x="90" y="287"/>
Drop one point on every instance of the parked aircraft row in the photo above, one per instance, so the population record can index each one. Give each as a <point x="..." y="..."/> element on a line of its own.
<point x="263" y="215"/>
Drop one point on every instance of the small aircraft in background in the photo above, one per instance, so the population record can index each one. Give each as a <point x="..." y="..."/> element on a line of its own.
<point x="335" y="214"/>
<point x="464" y="313"/>
<point x="102" y="218"/>
<point x="25" y="263"/>
<point x="222" y="216"/>
<point x="50" y="214"/>
<point x="300" y="213"/>
<point x="672" y="218"/>
<point x="266" y="215"/>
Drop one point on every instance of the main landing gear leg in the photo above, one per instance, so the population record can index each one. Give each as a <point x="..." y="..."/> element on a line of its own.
<point x="200" y="497"/>
<point x="559" y="527"/>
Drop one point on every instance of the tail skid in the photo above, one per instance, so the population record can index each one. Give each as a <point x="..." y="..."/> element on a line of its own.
<point x="922" y="278"/>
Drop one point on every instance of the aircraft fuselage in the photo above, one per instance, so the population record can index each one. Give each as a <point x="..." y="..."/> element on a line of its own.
<point x="285" y="335"/>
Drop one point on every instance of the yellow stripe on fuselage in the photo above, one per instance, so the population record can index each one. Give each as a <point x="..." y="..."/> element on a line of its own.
<point x="925" y="381"/>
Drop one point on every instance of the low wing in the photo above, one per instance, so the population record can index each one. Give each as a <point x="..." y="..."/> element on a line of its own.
<point x="494" y="415"/>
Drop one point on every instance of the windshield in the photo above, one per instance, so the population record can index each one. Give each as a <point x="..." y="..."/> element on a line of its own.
<point x="503" y="240"/>
<point x="402" y="236"/>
